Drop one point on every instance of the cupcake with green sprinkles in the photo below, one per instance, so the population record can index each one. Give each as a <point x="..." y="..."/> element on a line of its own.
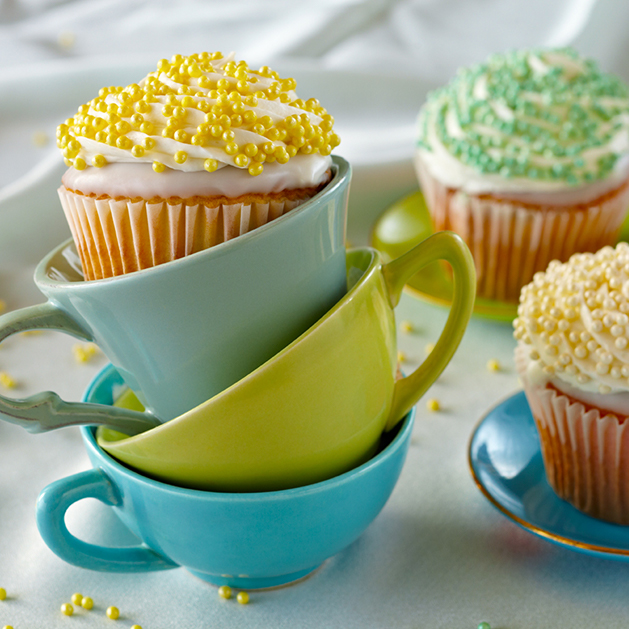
<point x="526" y="156"/>
<point x="199" y="151"/>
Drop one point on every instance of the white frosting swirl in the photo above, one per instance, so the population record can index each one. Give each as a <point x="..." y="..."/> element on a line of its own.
<point x="140" y="180"/>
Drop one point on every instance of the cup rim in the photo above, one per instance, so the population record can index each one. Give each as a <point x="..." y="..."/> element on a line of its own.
<point x="341" y="172"/>
<point x="405" y="428"/>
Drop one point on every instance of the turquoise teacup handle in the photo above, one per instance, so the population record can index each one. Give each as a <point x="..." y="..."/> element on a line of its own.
<point x="46" y="411"/>
<point x="52" y="505"/>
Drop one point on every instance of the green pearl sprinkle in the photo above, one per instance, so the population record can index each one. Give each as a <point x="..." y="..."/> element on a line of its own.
<point x="545" y="107"/>
<point x="483" y="625"/>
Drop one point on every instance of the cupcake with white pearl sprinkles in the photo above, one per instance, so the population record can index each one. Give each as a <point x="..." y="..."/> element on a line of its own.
<point x="526" y="156"/>
<point x="573" y="359"/>
<point x="198" y="152"/>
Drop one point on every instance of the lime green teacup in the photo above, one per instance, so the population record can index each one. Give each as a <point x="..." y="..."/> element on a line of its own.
<point x="318" y="408"/>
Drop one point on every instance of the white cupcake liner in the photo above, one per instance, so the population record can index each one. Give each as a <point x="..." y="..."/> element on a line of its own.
<point x="510" y="241"/>
<point x="114" y="237"/>
<point x="585" y="452"/>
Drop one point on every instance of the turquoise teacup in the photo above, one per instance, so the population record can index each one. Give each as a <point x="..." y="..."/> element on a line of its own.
<point x="181" y="332"/>
<point x="252" y="540"/>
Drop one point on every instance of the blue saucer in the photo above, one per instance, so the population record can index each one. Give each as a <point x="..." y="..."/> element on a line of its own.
<point x="506" y="463"/>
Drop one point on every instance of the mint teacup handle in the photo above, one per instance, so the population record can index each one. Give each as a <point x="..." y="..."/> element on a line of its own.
<point x="52" y="505"/>
<point x="440" y="246"/>
<point x="46" y="411"/>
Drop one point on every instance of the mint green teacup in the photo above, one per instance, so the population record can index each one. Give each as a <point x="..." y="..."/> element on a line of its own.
<point x="318" y="408"/>
<point x="181" y="332"/>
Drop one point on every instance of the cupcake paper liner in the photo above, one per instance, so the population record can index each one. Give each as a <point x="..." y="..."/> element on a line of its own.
<point x="114" y="237"/>
<point x="511" y="241"/>
<point x="585" y="452"/>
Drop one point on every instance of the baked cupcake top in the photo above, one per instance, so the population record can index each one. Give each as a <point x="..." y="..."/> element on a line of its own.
<point x="574" y="318"/>
<point x="202" y="113"/>
<point x="528" y="120"/>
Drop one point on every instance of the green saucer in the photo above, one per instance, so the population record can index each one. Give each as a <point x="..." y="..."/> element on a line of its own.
<point x="406" y="223"/>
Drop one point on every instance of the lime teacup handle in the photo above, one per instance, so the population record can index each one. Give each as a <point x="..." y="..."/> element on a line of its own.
<point x="441" y="246"/>
<point x="46" y="411"/>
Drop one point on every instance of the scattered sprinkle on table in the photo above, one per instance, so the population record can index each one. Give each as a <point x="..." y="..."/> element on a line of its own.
<point x="7" y="381"/>
<point x="40" y="138"/>
<point x="83" y="352"/>
<point x="401" y="357"/>
<point x="67" y="609"/>
<point x="66" y="40"/>
<point x="7" y="627"/>
<point x="136" y="627"/>
<point x="433" y="404"/>
<point x="429" y="348"/>
<point x="225" y="591"/>
<point x="483" y="625"/>
<point x="3" y="594"/>
<point x="242" y="598"/>
<point x="113" y="613"/>
<point x="77" y="599"/>
<point x="493" y="365"/>
<point x="3" y="305"/>
<point x="87" y="603"/>
<point x="406" y="327"/>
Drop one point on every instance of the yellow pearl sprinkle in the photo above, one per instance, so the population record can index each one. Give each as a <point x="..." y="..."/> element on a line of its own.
<point x="87" y="603"/>
<point x="66" y="40"/>
<point x="225" y="591"/>
<point x="180" y="157"/>
<point x="7" y="627"/>
<point x="136" y="627"/>
<point x="493" y="365"/>
<point x="401" y="357"/>
<point x="158" y="167"/>
<point x="83" y="352"/>
<point x="429" y="347"/>
<point x="79" y="163"/>
<point x="67" y="609"/>
<point x="77" y="598"/>
<point x="231" y="148"/>
<point x="137" y="151"/>
<point x="433" y="404"/>
<point x="99" y="161"/>
<point x="3" y="307"/>
<point x="406" y="327"/>
<point x="40" y="138"/>
<point x="241" y="160"/>
<point x="7" y="381"/>
<point x="255" y="169"/>
<point x="242" y="598"/>
<point x="113" y="613"/>
<point x="210" y="165"/>
<point x="3" y="594"/>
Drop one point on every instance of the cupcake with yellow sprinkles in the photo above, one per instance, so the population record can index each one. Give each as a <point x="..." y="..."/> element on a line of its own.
<point x="198" y="152"/>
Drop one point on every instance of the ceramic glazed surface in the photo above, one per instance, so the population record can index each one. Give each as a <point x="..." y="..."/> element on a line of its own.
<point x="507" y="465"/>
<point x="183" y="331"/>
<point x="318" y="408"/>
<point x="243" y="540"/>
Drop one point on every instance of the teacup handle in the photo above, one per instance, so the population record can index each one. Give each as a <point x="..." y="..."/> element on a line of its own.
<point x="46" y="411"/>
<point x="440" y="246"/>
<point x="52" y="505"/>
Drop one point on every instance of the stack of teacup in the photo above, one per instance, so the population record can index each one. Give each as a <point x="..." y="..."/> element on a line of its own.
<point x="253" y="420"/>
